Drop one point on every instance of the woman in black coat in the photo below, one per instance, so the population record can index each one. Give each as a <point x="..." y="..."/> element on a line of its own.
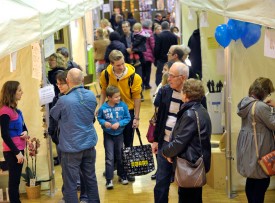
<point x="185" y="138"/>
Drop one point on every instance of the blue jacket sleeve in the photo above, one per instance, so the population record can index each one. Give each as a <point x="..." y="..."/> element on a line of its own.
<point x="126" y="119"/>
<point x="55" y="111"/>
<point x="100" y="117"/>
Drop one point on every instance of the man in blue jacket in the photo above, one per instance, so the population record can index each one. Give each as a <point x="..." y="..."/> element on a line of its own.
<point x="77" y="139"/>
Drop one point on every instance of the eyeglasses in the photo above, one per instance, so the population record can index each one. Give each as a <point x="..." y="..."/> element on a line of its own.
<point x="59" y="84"/>
<point x="173" y="76"/>
<point x="169" y="53"/>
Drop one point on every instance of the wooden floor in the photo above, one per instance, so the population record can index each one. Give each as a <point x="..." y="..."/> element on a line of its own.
<point x="140" y="191"/>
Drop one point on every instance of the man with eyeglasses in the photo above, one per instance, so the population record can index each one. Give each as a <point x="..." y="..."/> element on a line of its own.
<point x="163" y="42"/>
<point x="168" y="101"/>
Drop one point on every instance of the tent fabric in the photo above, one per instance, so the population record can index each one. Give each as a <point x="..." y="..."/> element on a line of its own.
<point x="23" y="22"/>
<point x="259" y="12"/>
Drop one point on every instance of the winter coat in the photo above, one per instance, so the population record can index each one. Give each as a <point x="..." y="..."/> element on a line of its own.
<point x="185" y="137"/>
<point x="116" y="44"/>
<point x="247" y="164"/>
<point x="139" y="41"/>
<point x="150" y="45"/>
<point x="100" y="47"/>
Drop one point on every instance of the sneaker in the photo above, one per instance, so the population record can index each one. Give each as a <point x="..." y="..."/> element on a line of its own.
<point x="123" y="180"/>
<point x="109" y="185"/>
<point x="131" y="178"/>
<point x="147" y="87"/>
<point x="154" y="176"/>
<point x="137" y="63"/>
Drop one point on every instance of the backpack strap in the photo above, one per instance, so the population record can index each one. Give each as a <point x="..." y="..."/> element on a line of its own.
<point x="106" y="74"/>
<point x="130" y="83"/>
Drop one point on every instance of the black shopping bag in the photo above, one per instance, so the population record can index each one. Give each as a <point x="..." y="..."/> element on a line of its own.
<point x="138" y="160"/>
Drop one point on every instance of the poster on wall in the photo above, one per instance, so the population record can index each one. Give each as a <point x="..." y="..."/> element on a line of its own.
<point x="269" y="43"/>
<point x="160" y="4"/>
<point x="49" y="48"/>
<point x="36" y="61"/>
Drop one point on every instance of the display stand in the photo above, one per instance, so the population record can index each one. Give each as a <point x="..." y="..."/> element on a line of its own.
<point x="215" y="109"/>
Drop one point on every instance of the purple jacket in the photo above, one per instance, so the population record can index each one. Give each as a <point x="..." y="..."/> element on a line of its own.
<point x="150" y="45"/>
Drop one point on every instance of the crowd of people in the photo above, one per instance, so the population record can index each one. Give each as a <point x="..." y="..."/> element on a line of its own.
<point x="125" y="51"/>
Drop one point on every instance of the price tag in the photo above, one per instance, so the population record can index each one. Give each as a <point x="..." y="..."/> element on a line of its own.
<point x="32" y="182"/>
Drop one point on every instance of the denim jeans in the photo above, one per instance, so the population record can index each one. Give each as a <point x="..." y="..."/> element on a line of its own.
<point x="146" y="73"/>
<point x="72" y="164"/>
<point x="128" y="132"/>
<point x="164" y="174"/>
<point x="113" y="150"/>
<point x="15" y="171"/>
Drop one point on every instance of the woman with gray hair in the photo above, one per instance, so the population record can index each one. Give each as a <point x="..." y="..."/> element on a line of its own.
<point x="148" y="54"/>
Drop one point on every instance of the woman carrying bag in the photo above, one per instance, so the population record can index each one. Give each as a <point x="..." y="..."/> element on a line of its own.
<point x="191" y="138"/>
<point x="257" y="103"/>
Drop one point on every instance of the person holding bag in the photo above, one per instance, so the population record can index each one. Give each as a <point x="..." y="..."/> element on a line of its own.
<point x="191" y="137"/>
<point x="257" y="181"/>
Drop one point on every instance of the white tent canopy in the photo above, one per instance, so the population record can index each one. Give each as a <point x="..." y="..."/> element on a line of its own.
<point x="25" y="21"/>
<point x="259" y="12"/>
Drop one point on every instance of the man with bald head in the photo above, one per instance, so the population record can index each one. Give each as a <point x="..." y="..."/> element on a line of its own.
<point x="77" y="139"/>
<point x="168" y="101"/>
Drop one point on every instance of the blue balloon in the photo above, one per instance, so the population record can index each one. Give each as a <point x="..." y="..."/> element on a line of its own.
<point x="251" y="34"/>
<point x="235" y="28"/>
<point x="222" y="36"/>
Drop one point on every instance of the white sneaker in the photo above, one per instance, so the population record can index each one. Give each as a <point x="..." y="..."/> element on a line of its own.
<point x="123" y="181"/>
<point x="109" y="185"/>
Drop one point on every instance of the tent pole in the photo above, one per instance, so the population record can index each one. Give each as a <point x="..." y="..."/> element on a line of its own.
<point x="228" y="102"/>
<point x="46" y="115"/>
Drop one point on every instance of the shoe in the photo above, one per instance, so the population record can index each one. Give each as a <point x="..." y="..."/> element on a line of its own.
<point x="137" y="63"/>
<point x="123" y="180"/>
<point x="131" y="61"/>
<point x="83" y="201"/>
<point x="147" y="87"/>
<point x="109" y="185"/>
<point x="131" y="178"/>
<point x="154" y="176"/>
<point x="142" y="98"/>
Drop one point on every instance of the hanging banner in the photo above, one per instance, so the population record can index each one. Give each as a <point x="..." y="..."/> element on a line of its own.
<point x="269" y="43"/>
<point x="36" y="61"/>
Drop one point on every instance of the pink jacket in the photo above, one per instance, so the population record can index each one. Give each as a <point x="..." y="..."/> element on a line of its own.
<point x="150" y="45"/>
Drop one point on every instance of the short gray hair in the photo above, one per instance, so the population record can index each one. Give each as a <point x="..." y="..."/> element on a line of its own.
<point x="165" y="25"/>
<point x="182" y="69"/>
<point x="185" y="49"/>
<point x="147" y="23"/>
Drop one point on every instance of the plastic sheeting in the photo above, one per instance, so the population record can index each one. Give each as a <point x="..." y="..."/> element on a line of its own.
<point x="25" y="21"/>
<point x="259" y="12"/>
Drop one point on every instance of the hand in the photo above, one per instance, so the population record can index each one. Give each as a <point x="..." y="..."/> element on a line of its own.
<point x="107" y="125"/>
<point x="135" y="123"/>
<point x="169" y="160"/>
<point x="24" y="135"/>
<point x="20" y="158"/>
<point x="115" y="126"/>
<point x="155" y="147"/>
<point x="129" y="50"/>
<point x="270" y="102"/>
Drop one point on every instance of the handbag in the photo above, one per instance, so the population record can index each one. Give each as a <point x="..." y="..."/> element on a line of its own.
<point x="138" y="160"/>
<point x="151" y="128"/>
<point x="188" y="174"/>
<point x="267" y="162"/>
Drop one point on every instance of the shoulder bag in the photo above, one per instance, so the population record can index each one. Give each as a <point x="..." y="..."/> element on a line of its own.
<point x="267" y="162"/>
<point x="188" y="174"/>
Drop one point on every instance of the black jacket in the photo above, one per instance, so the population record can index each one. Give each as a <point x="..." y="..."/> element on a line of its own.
<point x="162" y="101"/>
<point x="139" y="43"/>
<point x="115" y="45"/>
<point x="185" y="137"/>
<point x="163" y="43"/>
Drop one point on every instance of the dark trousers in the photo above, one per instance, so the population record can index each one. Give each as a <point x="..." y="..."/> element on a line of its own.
<point x="164" y="174"/>
<point x="190" y="195"/>
<point x="255" y="189"/>
<point x="146" y="73"/>
<point x="15" y="171"/>
<point x="113" y="150"/>
<point x="128" y="132"/>
<point x="160" y="65"/>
